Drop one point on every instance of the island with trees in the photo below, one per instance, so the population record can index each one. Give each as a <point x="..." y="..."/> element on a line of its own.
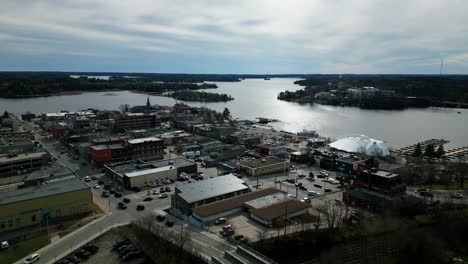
<point x="199" y="96"/>
<point x="382" y="91"/>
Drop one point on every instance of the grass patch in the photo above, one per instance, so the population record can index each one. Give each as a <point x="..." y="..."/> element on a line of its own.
<point x="23" y="246"/>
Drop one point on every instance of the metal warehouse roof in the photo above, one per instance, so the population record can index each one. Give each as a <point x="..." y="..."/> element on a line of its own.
<point x="59" y="187"/>
<point x="149" y="171"/>
<point x="202" y="190"/>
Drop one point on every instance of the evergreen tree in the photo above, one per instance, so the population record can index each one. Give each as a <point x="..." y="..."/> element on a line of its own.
<point x="440" y="151"/>
<point x="430" y="151"/>
<point x="417" y="151"/>
<point x="5" y="114"/>
<point x="226" y="114"/>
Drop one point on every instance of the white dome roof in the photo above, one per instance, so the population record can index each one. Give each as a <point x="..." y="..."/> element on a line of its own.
<point x="361" y="144"/>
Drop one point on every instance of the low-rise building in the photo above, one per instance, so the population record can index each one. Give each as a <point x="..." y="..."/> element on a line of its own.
<point x="279" y="211"/>
<point x="263" y="166"/>
<point x="103" y="154"/>
<point x="21" y="163"/>
<point x="149" y="147"/>
<point x="224" y="208"/>
<point x="137" y="173"/>
<point x="188" y="196"/>
<point x="135" y="121"/>
<point x="44" y="203"/>
<point x="14" y="143"/>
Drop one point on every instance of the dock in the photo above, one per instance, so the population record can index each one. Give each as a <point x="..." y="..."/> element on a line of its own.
<point x="435" y="142"/>
<point x="457" y="153"/>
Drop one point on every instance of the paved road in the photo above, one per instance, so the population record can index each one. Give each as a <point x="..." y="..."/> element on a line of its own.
<point x="442" y="195"/>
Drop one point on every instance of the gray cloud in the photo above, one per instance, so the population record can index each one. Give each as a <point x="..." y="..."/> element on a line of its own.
<point x="359" y="36"/>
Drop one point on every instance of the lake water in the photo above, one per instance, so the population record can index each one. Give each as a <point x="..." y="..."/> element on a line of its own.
<point x="257" y="98"/>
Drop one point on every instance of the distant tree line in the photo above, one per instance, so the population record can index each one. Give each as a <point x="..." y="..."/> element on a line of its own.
<point x="15" y="85"/>
<point x="200" y="96"/>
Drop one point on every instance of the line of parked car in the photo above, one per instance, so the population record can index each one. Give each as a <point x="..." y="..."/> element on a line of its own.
<point x="127" y="251"/>
<point x="80" y="255"/>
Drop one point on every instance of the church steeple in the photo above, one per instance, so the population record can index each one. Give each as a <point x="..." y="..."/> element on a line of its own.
<point x="148" y="104"/>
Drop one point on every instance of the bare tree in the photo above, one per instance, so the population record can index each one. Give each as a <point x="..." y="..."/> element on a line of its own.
<point x="317" y="221"/>
<point x="124" y="108"/>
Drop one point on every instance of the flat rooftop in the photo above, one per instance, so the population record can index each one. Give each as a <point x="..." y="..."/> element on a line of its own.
<point x="149" y="171"/>
<point x="112" y="146"/>
<point x="209" y="188"/>
<point x="267" y="200"/>
<point x="22" y="156"/>
<point x="382" y="173"/>
<point x="231" y="203"/>
<point x="278" y="209"/>
<point x="130" y="166"/>
<point x="256" y="163"/>
<point x="36" y="192"/>
<point x="142" y="140"/>
<point x="44" y="173"/>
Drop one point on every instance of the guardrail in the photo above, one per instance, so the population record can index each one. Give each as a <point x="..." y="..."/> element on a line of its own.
<point x="254" y="254"/>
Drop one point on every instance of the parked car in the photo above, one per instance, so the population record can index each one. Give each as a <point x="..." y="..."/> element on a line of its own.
<point x="112" y="191"/>
<point x="302" y="187"/>
<point x="160" y="218"/>
<point x="168" y="189"/>
<point x="122" y="206"/>
<point x="83" y="254"/>
<point x="169" y="223"/>
<point x="155" y="192"/>
<point x="140" y="207"/>
<point x="87" y="179"/>
<point x="32" y="259"/>
<point x="120" y="243"/>
<point x="220" y="220"/>
<point x="117" y="195"/>
<point x="456" y="195"/>
<point x="147" y="199"/>
<point x="290" y="181"/>
<point x="126" y="200"/>
<point x="105" y="194"/>
<point x="72" y="259"/>
<point x="162" y="196"/>
<point x="93" y="178"/>
<point x="91" y="248"/>
<point x="327" y="190"/>
<point x="100" y="182"/>
<point x="96" y="186"/>
<point x="317" y="185"/>
<point x="306" y="200"/>
<point x="426" y="194"/>
<point x="5" y="245"/>
<point x="131" y="255"/>
<point x="313" y="193"/>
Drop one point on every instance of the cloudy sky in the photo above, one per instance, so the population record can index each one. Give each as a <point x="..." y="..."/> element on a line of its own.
<point x="224" y="36"/>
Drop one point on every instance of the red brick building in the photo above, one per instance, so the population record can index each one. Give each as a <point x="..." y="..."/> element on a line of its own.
<point x="102" y="154"/>
<point x="149" y="147"/>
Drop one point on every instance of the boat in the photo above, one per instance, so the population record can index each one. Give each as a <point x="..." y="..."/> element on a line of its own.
<point x="266" y="79"/>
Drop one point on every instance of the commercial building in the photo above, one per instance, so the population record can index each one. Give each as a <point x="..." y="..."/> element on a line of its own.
<point x="135" y="121"/>
<point x="14" y="143"/>
<point x="21" y="163"/>
<point x="348" y="163"/>
<point x="103" y="154"/>
<point x="188" y="196"/>
<point x="279" y="211"/>
<point x="272" y="150"/>
<point x="264" y="166"/>
<point x="138" y="173"/>
<point x="44" y="203"/>
<point x="376" y="189"/>
<point x="149" y="147"/>
<point x="210" y="212"/>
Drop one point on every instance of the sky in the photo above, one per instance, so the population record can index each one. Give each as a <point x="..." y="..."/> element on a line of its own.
<point x="238" y="36"/>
